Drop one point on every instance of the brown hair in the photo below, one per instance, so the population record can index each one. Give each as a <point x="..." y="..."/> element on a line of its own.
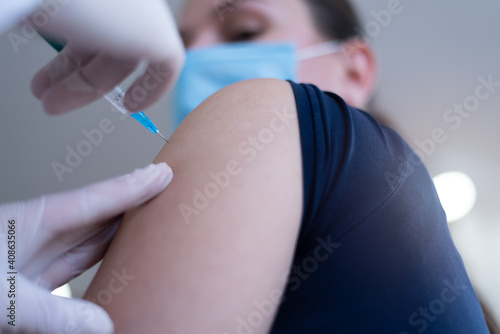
<point x="336" y="19"/>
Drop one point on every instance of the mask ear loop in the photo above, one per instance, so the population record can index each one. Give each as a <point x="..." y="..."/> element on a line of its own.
<point x="319" y="50"/>
<point x="349" y="48"/>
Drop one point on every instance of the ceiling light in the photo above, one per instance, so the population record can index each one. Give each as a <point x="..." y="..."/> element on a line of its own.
<point x="457" y="193"/>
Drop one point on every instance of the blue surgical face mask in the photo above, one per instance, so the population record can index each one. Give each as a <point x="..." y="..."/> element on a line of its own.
<point x="210" y="69"/>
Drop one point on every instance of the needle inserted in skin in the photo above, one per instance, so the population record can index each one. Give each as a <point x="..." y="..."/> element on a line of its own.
<point x="163" y="137"/>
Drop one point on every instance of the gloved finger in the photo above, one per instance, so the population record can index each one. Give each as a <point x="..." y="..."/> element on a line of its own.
<point x="37" y="311"/>
<point x="87" y="84"/>
<point x="158" y="79"/>
<point x="72" y="218"/>
<point x="67" y="62"/>
<point x="80" y="258"/>
<point x="86" y="209"/>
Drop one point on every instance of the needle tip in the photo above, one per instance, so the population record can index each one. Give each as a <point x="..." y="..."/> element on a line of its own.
<point x="163" y="137"/>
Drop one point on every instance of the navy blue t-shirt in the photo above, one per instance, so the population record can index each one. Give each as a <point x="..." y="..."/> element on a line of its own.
<point x="374" y="253"/>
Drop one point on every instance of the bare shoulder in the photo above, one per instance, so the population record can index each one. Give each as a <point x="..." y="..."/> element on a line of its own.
<point x="262" y="108"/>
<point x="249" y="126"/>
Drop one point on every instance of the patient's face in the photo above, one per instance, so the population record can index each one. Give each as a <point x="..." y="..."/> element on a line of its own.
<point x="209" y="22"/>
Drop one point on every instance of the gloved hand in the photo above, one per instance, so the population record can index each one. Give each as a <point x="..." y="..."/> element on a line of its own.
<point x="52" y="239"/>
<point x="106" y="40"/>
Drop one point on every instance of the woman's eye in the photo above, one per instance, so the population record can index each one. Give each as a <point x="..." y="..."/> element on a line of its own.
<point x="245" y="36"/>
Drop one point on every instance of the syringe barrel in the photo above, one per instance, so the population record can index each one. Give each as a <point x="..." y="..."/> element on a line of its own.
<point x="116" y="97"/>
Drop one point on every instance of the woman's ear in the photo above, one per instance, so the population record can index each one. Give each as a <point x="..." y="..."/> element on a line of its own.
<point x="361" y="71"/>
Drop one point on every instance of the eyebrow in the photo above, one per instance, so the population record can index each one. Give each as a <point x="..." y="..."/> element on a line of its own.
<point x="223" y="6"/>
<point x="220" y="8"/>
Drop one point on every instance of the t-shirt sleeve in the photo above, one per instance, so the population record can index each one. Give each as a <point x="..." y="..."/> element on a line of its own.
<point x="374" y="252"/>
<point x="351" y="162"/>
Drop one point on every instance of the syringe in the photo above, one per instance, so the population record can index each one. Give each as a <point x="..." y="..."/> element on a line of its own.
<point x="116" y="98"/>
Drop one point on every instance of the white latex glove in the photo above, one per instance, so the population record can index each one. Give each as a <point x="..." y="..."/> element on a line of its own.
<point x="107" y="39"/>
<point x="56" y="238"/>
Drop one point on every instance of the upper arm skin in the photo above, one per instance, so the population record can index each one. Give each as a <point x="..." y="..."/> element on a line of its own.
<point x="202" y="271"/>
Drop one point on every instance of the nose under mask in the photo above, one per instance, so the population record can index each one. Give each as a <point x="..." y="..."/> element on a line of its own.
<point x="210" y="69"/>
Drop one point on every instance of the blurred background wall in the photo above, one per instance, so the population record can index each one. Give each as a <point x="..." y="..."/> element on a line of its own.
<point x="431" y="56"/>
